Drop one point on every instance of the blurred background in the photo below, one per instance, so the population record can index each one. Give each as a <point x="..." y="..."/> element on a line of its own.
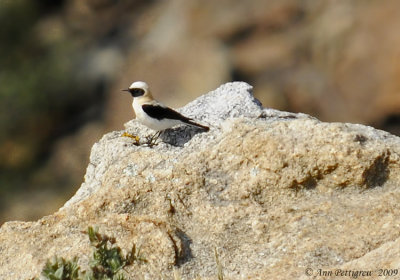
<point x="63" y="64"/>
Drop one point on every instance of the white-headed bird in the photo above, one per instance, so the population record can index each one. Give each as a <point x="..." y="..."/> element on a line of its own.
<point x="152" y="113"/>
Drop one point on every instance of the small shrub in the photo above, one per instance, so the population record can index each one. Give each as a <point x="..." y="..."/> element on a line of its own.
<point x="106" y="264"/>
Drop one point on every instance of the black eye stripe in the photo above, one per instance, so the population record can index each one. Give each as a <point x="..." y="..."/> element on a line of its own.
<point x="136" y="91"/>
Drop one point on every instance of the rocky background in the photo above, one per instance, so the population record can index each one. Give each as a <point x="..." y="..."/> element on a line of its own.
<point x="63" y="64"/>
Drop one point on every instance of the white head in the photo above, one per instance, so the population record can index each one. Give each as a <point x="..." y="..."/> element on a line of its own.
<point x="138" y="89"/>
<point x="139" y="84"/>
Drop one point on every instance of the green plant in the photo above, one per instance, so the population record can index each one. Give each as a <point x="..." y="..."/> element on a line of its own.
<point x="106" y="264"/>
<point x="108" y="259"/>
<point x="60" y="269"/>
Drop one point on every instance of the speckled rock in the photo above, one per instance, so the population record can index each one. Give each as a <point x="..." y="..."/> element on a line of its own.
<point x="273" y="192"/>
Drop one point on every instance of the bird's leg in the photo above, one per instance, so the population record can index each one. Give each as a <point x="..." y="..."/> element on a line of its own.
<point x="151" y="141"/>
<point x="154" y="138"/>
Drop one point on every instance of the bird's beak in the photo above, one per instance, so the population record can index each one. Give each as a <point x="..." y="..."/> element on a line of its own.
<point x="124" y="89"/>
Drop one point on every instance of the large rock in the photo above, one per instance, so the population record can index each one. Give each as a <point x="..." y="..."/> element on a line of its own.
<point x="328" y="59"/>
<point x="273" y="192"/>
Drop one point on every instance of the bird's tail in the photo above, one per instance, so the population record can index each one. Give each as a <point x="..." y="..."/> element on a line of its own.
<point x="206" y="128"/>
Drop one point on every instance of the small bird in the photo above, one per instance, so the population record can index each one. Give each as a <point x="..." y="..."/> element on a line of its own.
<point x="152" y="113"/>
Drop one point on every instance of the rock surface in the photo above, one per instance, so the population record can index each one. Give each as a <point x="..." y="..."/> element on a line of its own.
<point x="273" y="192"/>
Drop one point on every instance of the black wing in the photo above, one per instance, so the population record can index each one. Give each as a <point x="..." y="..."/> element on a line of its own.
<point x="159" y="113"/>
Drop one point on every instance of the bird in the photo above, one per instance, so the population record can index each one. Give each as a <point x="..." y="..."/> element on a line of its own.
<point x="154" y="114"/>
